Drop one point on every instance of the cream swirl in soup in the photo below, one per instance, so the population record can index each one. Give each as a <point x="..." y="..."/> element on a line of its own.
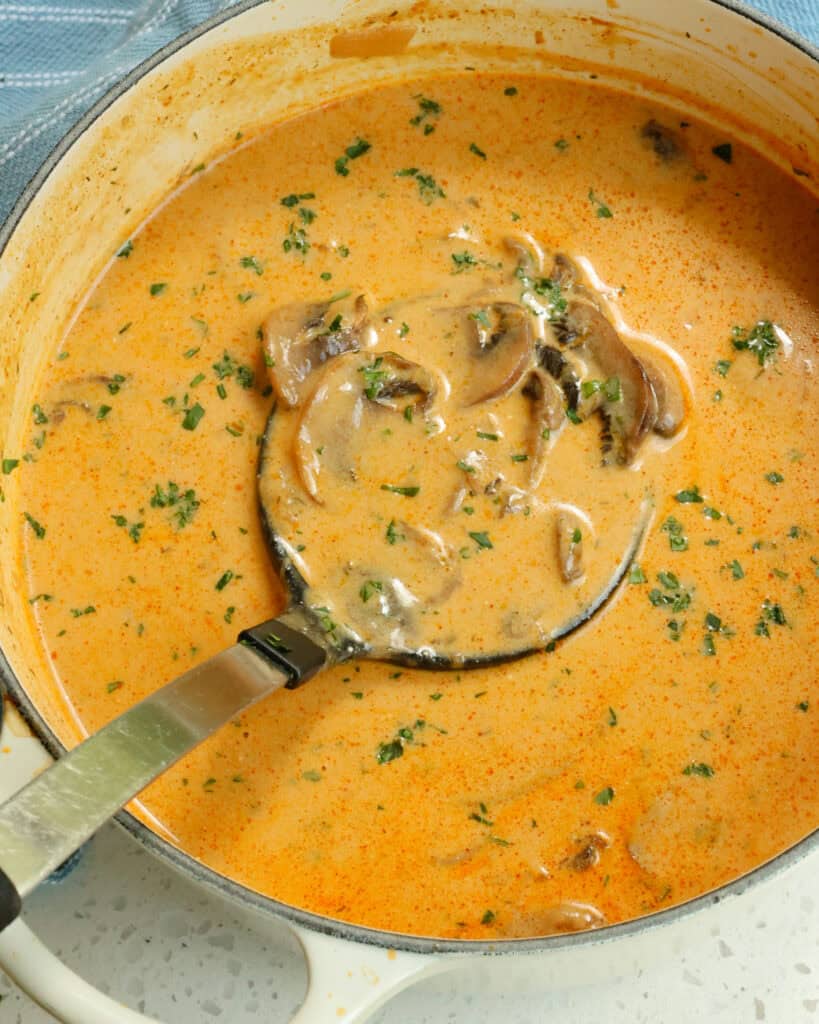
<point x="498" y="318"/>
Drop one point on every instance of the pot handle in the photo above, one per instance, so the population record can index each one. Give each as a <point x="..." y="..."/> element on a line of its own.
<point x="349" y="981"/>
<point x="54" y="986"/>
<point x="346" y="980"/>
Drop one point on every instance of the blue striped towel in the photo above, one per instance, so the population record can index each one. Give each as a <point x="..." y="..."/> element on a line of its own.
<point x="58" y="56"/>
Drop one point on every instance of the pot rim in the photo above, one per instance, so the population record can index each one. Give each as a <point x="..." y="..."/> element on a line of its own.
<point x="237" y="892"/>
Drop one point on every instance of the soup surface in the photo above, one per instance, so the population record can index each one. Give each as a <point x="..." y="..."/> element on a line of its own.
<point x="500" y="317"/>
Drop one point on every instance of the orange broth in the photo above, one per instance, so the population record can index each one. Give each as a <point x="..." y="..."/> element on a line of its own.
<point x="665" y="748"/>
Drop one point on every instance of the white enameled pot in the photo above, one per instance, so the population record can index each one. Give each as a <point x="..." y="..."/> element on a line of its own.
<point x="255" y="64"/>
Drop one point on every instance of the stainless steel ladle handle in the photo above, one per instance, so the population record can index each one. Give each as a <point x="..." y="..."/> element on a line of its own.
<point x="56" y="812"/>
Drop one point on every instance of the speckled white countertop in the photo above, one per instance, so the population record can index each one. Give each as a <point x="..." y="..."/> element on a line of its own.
<point x="147" y="936"/>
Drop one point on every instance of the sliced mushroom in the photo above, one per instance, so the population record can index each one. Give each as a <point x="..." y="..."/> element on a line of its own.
<point x="302" y="336"/>
<point x="340" y="412"/>
<point x="669" y="394"/>
<point x="528" y="251"/>
<point x="391" y="377"/>
<point x="633" y="415"/>
<point x="662" y="140"/>
<point x="562" y="368"/>
<point x="502" y="347"/>
<point x="569" y="531"/>
<point x="588" y="856"/>
<point x="548" y="414"/>
<point x="568" y="916"/>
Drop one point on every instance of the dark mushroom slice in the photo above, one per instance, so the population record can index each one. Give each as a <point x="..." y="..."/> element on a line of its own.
<point x="588" y="856"/>
<point x="302" y="336"/>
<point x="547" y="414"/>
<point x="482" y="477"/>
<point x="348" y="402"/>
<point x="501" y="345"/>
<point x="569" y="533"/>
<point x="663" y="141"/>
<point x="634" y="411"/>
<point x="568" y="916"/>
<point x="562" y="368"/>
<point x="528" y="252"/>
<point x="668" y="391"/>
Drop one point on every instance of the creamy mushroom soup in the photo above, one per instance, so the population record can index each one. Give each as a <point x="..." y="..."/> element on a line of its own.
<point x="501" y="321"/>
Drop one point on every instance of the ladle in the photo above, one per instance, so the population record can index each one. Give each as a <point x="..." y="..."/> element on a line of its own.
<point x="59" y="810"/>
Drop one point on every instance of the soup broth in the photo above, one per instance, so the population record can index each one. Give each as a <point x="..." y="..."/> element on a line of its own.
<point x="667" y="746"/>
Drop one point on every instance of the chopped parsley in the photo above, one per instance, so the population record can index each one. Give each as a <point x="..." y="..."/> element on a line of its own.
<point x="677" y="540"/>
<point x="428" y="188"/>
<point x="392" y="535"/>
<point x="39" y="531"/>
<point x="190" y="421"/>
<point x="407" y="492"/>
<point x="184" y="503"/>
<point x="604" y="797"/>
<point x="704" y="771"/>
<point x="352" y="152"/>
<point x="690" y="496"/>
<point x="9" y="465"/>
<point x="158" y="287"/>
<point x="774" y="477"/>
<point x="134" y="529"/>
<point x="464" y="261"/>
<point x="636" y="574"/>
<point x="251" y="263"/>
<point x="771" y="614"/>
<point x="369" y="589"/>
<point x="125" y="250"/>
<point x="473" y="148"/>
<point x="481" y="538"/>
<point x="601" y="208"/>
<point x="761" y="340"/>
<point x="295" y="198"/>
<point x="224" y="579"/>
<point x="428" y="112"/>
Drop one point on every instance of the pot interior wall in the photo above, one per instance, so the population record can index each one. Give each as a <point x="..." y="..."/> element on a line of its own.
<point x="273" y="61"/>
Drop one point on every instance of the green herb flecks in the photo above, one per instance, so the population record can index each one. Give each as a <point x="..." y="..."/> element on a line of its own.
<point x="690" y="496"/>
<point x="474" y="148"/>
<point x="406" y="491"/>
<point x="601" y="208"/>
<point x="677" y="539"/>
<point x="224" y="579"/>
<point x="133" y="529"/>
<point x="428" y="113"/>
<point x="39" y="530"/>
<point x="481" y="538"/>
<point x="543" y="291"/>
<point x="369" y="589"/>
<point x="636" y="574"/>
<point x="352" y="152"/>
<point x="392" y="535"/>
<point x="464" y="261"/>
<point x="183" y="503"/>
<point x="428" y="188"/>
<point x="771" y="614"/>
<point x="604" y="796"/>
<point x="610" y="388"/>
<point x="157" y="288"/>
<point x="761" y="340"/>
<point x="9" y="465"/>
<point x="704" y="771"/>
<point x="251" y="263"/>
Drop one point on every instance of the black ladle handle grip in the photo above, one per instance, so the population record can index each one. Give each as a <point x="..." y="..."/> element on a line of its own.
<point x="11" y="902"/>
<point x="289" y="649"/>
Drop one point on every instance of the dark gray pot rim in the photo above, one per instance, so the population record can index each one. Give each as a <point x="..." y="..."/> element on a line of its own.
<point x="233" y="890"/>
